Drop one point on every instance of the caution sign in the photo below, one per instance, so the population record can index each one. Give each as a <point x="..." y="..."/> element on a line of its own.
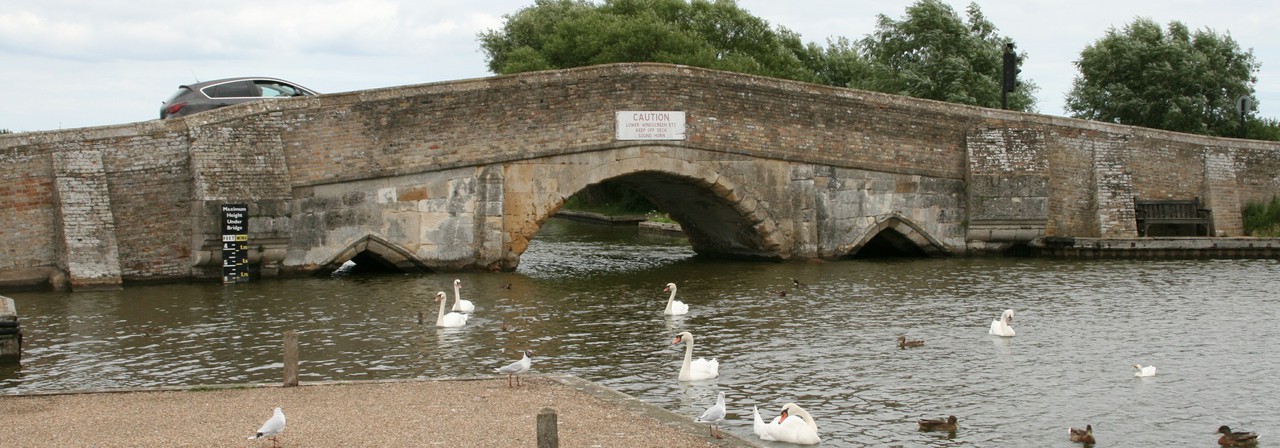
<point x="235" y="243"/>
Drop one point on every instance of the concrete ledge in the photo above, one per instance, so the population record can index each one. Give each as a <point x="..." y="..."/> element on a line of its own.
<point x="600" y="218"/>
<point x="1160" y="247"/>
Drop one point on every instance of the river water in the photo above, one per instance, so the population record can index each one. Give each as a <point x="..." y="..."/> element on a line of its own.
<point x="589" y="300"/>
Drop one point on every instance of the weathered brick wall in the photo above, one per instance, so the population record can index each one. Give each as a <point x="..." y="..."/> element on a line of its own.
<point x="290" y="159"/>
<point x="27" y="208"/>
<point x="418" y="128"/>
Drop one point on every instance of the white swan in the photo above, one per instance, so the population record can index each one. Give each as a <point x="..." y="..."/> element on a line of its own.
<point x="1000" y="327"/>
<point x="451" y="319"/>
<point x="1144" y="371"/>
<point x="674" y="307"/>
<point x="692" y="370"/>
<point x="458" y="304"/>
<point x="786" y="428"/>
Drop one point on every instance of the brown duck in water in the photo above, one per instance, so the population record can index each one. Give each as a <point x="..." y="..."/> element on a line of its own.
<point x="938" y="424"/>
<point x="1082" y="435"/>
<point x="1232" y="438"/>
<point x="904" y="343"/>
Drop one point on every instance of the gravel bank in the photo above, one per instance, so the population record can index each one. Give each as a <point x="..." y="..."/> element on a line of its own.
<point x="451" y="413"/>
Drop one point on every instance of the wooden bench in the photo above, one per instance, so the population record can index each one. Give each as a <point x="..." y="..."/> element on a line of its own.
<point x="1173" y="211"/>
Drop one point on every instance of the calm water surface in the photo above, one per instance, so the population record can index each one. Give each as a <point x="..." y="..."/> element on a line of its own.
<point x="589" y="300"/>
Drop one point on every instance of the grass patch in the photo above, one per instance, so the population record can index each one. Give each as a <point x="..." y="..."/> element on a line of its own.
<point x="1262" y="219"/>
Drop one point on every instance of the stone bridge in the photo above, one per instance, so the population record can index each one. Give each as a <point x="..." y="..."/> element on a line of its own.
<point x="461" y="175"/>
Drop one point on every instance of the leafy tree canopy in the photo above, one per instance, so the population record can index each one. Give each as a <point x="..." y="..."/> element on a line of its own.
<point x="712" y="34"/>
<point x="933" y="53"/>
<point x="1171" y="79"/>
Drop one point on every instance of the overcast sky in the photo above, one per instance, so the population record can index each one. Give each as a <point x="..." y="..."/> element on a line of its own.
<point x="69" y="64"/>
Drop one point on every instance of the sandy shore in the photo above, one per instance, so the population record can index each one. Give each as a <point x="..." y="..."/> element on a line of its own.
<point x="451" y="413"/>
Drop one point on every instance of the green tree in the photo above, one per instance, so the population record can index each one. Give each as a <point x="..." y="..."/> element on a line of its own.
<point x="932" y="53"/>
<point x="1171" y="79"/>
<point x="713" y="34"/>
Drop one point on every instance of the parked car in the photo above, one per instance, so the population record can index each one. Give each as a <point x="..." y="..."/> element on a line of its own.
<point x="210" y="95"/>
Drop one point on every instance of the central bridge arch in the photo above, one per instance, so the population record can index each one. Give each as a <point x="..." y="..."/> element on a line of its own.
<point x="720" y="216"/>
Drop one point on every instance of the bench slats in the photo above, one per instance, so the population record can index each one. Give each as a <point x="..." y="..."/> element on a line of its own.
<point x="1172" y="211"/>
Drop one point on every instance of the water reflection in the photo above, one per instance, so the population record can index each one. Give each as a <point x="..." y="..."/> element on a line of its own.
<point x="589" y="300"/>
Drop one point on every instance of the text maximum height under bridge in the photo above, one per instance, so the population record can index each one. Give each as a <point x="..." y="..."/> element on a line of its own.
<point x="461" y="174"/>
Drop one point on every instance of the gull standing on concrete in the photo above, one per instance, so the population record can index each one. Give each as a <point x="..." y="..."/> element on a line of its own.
<point x="517" y="368"/>
<point x="272" y="428"/>
<point x="713" y="416"/>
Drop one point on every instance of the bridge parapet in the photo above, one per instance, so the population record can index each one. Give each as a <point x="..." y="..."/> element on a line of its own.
<point x="460" y="174"/>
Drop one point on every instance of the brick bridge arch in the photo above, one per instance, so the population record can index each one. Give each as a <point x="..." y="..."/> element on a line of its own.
<point x="720" y="216"/>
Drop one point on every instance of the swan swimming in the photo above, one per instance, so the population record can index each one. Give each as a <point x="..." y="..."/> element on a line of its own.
<point x="692" y="370"/>
<point x="674" y="307"/>
<point x="1144" y="371"/>
<point x="451" y="319"/>
<point x="1000" y="327"/>
<point x="458" y="304"/>
<point x="802" y="430"/>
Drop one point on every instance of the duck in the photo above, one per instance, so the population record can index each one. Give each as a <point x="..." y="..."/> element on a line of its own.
<point x="1084" y="436"/>
<point x="1000" y="327"/>
<point x="458" y="304"/>
<point x="938" y="424"/>
<point x="904" y="343"/>
<point x="450" y="319"/>
<point x="1236" y="438"/>
<point x="674" y="307"/>
<point x="713" y="416"/>
<point x="694" y="370"/>
<point x="801" y="431"/>
<point x="1144" y="371"/>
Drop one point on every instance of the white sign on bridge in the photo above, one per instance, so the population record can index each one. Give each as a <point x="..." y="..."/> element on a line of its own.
<point x="650" y="125"/>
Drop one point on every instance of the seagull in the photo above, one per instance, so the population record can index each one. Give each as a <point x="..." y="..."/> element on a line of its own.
<point x="1144" y="371"/>
<point x="272" y="428"/>
<point x="713" y="416"/>
<point x="517" y="368"/>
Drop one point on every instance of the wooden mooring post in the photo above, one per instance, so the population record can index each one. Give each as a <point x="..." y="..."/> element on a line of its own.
<point x="548" y="437"/>
<point x="290" y="358"/>
<point x="10" y="332"/>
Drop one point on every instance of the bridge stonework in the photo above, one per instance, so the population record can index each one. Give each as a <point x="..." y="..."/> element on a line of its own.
<point x="460" y="175"/>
